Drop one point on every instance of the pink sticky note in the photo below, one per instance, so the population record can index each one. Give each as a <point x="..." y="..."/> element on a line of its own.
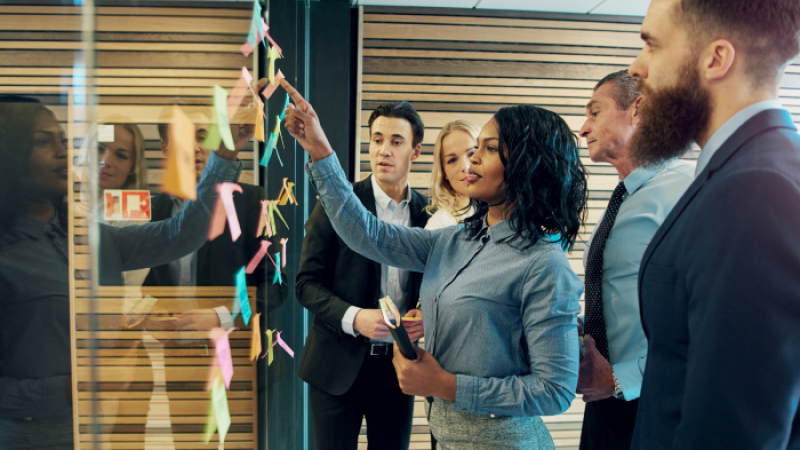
<point x="246" y="49"/>
<point x="251" y="267"/>
<point x="264" y="28"/>
<point x="246" y="75"/>
<point x="283" y="251"/>
<point x="272" y="87"/>
<point x="283" y="345"/>
<point x="237" y="94"/>
<point x="223" y="347"/>
<point x="225" y="202"/>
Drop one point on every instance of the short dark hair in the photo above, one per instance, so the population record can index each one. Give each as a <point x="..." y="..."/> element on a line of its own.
<point x="401" y="110"/>
<point x="625" y="92"/>
<point x="766" y="30"/>
<point x="544" y="177"/>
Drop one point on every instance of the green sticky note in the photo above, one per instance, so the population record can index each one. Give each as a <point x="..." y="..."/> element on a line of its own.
<point x="211" y="423"/>
<point x="221" y="413"/>
<point x="223" y="124"/>
<point x="213" y="138"/>
<point x="269" y="347"/>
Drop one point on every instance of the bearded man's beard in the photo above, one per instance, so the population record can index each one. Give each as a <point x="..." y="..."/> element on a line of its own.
<point x="671" y="118"/>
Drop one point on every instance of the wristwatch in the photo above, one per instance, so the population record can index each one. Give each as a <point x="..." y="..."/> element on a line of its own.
<point x="617" y="388"/>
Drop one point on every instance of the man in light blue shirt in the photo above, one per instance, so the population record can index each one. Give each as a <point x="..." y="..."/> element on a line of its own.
<point x="611" y="372"/>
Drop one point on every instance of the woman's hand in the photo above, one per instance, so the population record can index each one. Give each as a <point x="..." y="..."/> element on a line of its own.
<point x="242" y="124"/>
<point x="415" y="328"/>
<point x="424" y="377"/>
<point x="303" y="124"/>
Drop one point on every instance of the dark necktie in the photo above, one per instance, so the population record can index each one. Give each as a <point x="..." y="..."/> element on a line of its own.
<point x="594" y="324"/>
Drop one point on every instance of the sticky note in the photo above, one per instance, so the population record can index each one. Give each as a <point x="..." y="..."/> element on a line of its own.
<point x="264" y="28"/>
<point x="273" y="210"/>
<point x="255" y="338"/>
<point x="223" y="124"/>
<point x="273" y="55"/>
<point x="105" y="133"/>
<point x="259" y="130"/>
<point x="211" y="421"/>
<point x="283" y="251"/>
<point x="180" y="179"/>
<point x="256" y="34"/>
<point x="283" y="344"/>
<point x="237" y="94"/>
<point x="268" y="353"/>
<point x="251" y="266"/>
<point x="219" y="399"/>
<point x="223" y="347"/>
<point x="225" y="209"/>
<point x="268" y="150"/>
<point x="277" y="279"/>
<point x="264" y="228"/>
<point x="286" y="194"/>
<point x="285" y="105"/>
<point x="246" y="75"/>
<point x="241" y="292"/>
<point x="271" y="87"/>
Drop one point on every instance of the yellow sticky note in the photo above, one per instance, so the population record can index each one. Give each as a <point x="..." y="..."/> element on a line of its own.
<point x="180" y="178"/>
<point x="259" y="132"/>
<point x="272" y="55"/>
<point x="269" y="346"/>
<point x="223" y="122"/>
<point x="255" y="338"/>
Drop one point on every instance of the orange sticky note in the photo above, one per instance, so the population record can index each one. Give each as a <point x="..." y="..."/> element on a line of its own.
<point x="259" y="131"/>
<point x="286" y="194"/>
<point x="255" y="338"/>
<point x="180" y="178"/>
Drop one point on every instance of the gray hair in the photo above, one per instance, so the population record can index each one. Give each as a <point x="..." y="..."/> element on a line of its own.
<point x="625" y="91"/>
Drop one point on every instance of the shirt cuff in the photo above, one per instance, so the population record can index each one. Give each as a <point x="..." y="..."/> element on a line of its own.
<point x="348" y="319"/>
<point x="466" y="394"/>
<point x="629" y="376"/>
<point x="224" y="168"/>
<point x="225" y="317"/>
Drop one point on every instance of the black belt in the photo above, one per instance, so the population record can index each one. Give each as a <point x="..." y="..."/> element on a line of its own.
<point x="381" y="349"/>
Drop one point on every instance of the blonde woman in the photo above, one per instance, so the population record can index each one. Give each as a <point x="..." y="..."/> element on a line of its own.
<point x="450" y="176"/>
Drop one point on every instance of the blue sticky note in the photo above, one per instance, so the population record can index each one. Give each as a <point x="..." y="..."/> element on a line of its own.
<point x="277" y="279"/>
<point x="241" y="291"/>
<point x="285" y="105"/>
<point x="255" y="25"/>
<point x="268" y="150"/>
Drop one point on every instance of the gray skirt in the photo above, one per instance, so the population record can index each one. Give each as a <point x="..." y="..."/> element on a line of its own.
<point x="456" y="430"/>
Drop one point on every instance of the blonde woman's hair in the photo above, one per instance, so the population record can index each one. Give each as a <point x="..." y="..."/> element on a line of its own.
<point x="136" y="180"/>
<point x="442" y="194"/>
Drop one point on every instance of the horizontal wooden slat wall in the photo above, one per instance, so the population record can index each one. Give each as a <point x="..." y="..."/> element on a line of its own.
<point x="151" y="385"/>
<point x="146" y="57"/>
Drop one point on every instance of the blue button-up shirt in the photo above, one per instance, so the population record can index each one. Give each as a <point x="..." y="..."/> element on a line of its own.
<point x="500" y="316"/>
<point x="650" y="194"/>
<point x="728" y="128"/>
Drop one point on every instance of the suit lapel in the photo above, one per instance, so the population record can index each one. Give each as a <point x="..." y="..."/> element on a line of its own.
<point x="364" y="192"/>
<point x="761" y="122"/>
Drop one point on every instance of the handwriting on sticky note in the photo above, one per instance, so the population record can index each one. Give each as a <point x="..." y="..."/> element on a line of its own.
<point x="255" y="338"/>
<point x="219" y="398"/>
<point x="241" y="292"/>
<point x="223" y="124"/>
<point x="223" y="347"/>
<point x="225" y="208"/>
<point x="284" y="346"/>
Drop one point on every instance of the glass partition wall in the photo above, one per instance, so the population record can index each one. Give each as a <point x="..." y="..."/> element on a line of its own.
<point x="143" y="261"/>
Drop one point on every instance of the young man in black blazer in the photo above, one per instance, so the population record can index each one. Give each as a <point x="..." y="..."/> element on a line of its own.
<point x="718" y="285"/>
<point x="347" y="358"/>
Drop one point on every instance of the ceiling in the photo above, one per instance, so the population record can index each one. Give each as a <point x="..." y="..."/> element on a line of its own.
<point x="615" y="7"/>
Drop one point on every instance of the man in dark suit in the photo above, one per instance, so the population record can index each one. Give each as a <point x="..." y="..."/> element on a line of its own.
<point x="347" y="359"/>
<point x="217" y="262"/>
<point x="718" y="285"/>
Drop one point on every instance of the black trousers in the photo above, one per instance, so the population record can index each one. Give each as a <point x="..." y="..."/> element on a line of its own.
<point x="608" y="424"/>
<point x="376" y="395"/>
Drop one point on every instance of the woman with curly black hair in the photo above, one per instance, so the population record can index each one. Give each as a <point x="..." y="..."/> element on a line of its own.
<point x="499" y="299"/>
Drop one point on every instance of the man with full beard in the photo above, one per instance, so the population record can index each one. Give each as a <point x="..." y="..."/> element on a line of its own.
<point x="718" y="285"/>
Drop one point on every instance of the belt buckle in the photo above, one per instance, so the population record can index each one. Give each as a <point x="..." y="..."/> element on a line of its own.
<point x="372" y="348"/>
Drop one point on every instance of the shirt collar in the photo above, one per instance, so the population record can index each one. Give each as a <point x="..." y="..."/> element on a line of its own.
<point x="641" y="175"/>
<point x="728" y="128"/>
<point x="381" y="198"/>
<point x="499" y="231"/>
<point x="36" y="228"/>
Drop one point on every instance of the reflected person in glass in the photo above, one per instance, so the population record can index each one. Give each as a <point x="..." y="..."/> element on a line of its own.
<point x="499" y="298"/>
<point x="35" y="366"/>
